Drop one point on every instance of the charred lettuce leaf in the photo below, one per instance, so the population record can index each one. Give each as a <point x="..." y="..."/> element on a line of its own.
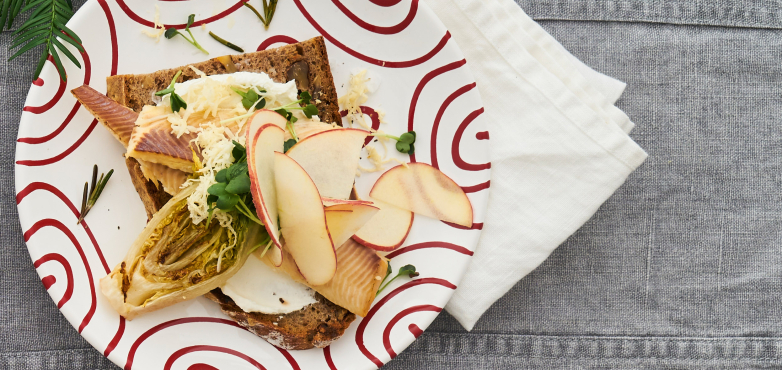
<point x="174" y="260"/>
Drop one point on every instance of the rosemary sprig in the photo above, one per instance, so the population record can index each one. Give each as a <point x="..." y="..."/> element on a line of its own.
<point x="91" y="196"/>
<point x="226" y="43"/>
<point x="268" y="10"/>
<point x="46" y="26"/>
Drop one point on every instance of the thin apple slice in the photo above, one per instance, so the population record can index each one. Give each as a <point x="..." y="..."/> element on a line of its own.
<point x="262" y="142"/>
<point x="263" y="117"/>
<point x="345" y="219"/>
<point x="328" y="202"/>
<point x="303" y="221"/>
<point x="331" y="159"/>
<point x="423" y="189"/>
<point x="387" y="230"/>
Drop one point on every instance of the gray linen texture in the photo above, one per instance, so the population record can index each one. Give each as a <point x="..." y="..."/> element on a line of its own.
<point x="681" y="268"/>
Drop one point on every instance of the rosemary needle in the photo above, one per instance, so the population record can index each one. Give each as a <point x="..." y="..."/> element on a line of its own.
<point x="90" y="196"/>
<point x="226" y="43"/>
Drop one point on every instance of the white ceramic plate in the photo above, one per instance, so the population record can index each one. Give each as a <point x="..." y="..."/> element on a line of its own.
<point x="422" y="84"/>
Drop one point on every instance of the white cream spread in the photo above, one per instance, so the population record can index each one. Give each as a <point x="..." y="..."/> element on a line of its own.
<point x="258" y="288"/>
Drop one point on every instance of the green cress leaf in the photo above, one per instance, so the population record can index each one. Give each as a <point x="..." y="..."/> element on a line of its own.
<point x="236" y="170"/>
<point x="211" y="199"/>
<point x="170" y="33"/>
<point x="408" y="270"/>
<point x="190" y="20"/>
<point x="402" y="147"/>
<point x="261" y="103"/>
<point x="407" y="137"/>
<point x="218" y="189"/>
<point x="305" y="97"/>
<point x="227" y="202"/>
<point x="288" y="144"/>
<point x="239" y="185"/>
<point x="310" y="110"/>
<point x="239" y="152"/>
<point x="222" y="176"/>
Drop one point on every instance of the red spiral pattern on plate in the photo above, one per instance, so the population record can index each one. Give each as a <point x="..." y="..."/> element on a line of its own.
<point x="373" y="116"/>
<point x="372" y="311"/>
<point x="48" y="105"/>
<point x="68" y="275"/>
<point x="390" y="30"/>
<point x="49" y="222"/>
<point x="143" y="337"/>
<point x="381" y="63"/>
<point x="423" y="56"/>
<point x="203" y="348"/>
<point x="404" y="313"/>
<point x="457" y="139"/>
<point x="429" y="245"/>
<point x="274" y="40"/>
<point x="138" y="19"/>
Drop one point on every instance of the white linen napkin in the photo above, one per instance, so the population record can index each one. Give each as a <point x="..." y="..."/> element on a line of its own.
<point x="559" y="146"/>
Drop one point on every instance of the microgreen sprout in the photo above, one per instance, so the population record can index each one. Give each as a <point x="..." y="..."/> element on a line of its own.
<point x="171" y="32"/>
<point x="251" y="98"/>
<point x="232" y="190"/>
<point x="308" y="109"/>
<point x="405" y="143"/>
<point x="177" y="102"/>
<point x="408" y="270"/>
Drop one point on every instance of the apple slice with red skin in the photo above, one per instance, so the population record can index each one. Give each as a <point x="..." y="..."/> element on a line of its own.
<point x="328" y="202"/>
<point x="303" y="221"/>
<point x="423" y="189"/>
<point x="346" y="219"/>
<point x="331" y="159"/>
<point x="265" y="116"/>
<point x="262" y="141"/>
<point x="387" y="230"/>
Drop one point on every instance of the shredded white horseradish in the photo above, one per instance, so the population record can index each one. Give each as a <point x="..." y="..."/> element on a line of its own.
<point x="357" y="94"/>
<point x="158" y="29"/>
<point x="215" y="112"/>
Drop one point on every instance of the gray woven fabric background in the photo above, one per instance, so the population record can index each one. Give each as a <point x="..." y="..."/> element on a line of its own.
<point x="681" y="268"/>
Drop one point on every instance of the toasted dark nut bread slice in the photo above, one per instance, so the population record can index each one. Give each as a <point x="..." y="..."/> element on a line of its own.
<point x="316" y="325"/>
<point x="306" y="62"/>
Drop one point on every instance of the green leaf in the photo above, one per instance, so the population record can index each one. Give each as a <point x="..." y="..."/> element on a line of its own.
<point x="239" y="185"/>
<point x="171" y="32"/>
<point x="39" y="67"/>
<point x="288" y="144"/>
<point x="190" y="20"/>
<point x="408" y="270"/>
<point x="211" y="199"/>
<point x="32" y="4"/>
<point x="69" y="32"/>
<point x="57" y="62"/>
<point x="165" y="91"/>
<point x="310" y="110"/>
<point x="227" y="202"/>
<point x="261" y="103"/>
<point x="305" y="97"/>
<point x="222" y="176"/>
<point x="217" y="189"/>
<point x="177" y="102"/>
<point x="239" y="152"/>
<point x="236" y="170"/>
<point x="28" y="47"/>
<point x="66" y="52"/>
<point x="38" y="40"/>
<point x="402" y="147"/>
<point x="407" y="137"/>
